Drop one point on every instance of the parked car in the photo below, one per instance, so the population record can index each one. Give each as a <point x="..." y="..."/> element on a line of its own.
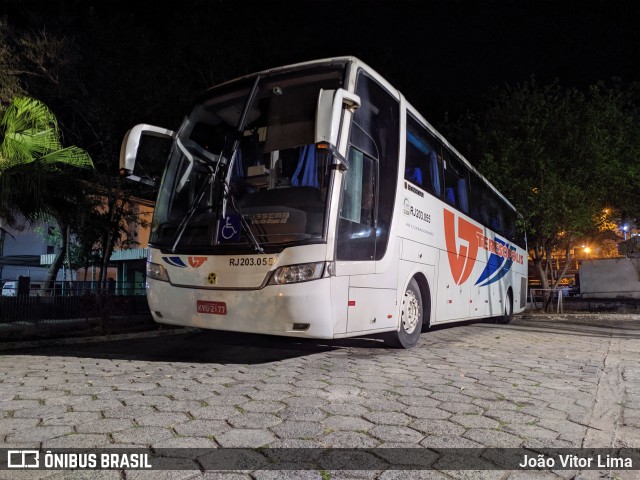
<point x="10" y="289"/>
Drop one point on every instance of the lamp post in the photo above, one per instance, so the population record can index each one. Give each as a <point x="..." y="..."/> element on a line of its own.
<point x="625" y="228"/>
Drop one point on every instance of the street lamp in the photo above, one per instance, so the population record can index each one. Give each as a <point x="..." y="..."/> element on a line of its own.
<point x="625" y="228"/>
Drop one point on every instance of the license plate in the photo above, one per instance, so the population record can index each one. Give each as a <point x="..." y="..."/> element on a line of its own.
<point x="214" y="308"/>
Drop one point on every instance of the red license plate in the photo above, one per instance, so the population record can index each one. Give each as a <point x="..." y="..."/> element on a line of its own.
<point x="215" y="308"/>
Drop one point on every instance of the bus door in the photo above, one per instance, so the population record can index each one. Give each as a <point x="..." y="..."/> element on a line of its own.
<point x="366" y="208"/>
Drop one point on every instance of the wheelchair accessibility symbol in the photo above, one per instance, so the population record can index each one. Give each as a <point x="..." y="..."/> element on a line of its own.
<point x="229" y="229"/>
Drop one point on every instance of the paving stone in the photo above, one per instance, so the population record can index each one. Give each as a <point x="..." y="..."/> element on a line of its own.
<point x="142" y="435"/>
<point x="9" y="425"/>
<point x="105" y="425"/>
<point x="437" y="427"/>
<point x="350" y="409"/>
<point x="71" y="418"/>
<point x="419" y="401"/>
<point x="427" y="412"/>
<point x="342" y="422"/>
<point x="254" y="420"/>
<point x="39" y="411"/>
<point x="201" y="428"/>
<point x="263" y="406"/>
<point x="475" y="421"/>
<point x="38" y="434"/>
<point x="448" y="441"/>
<point x="184" y="442"/>
<point x="310" y="414"/>
<point x="388" y="418"/>
<point x="79" y="440"/>
<point x="492" y="438"/>
<point x="298" y="430"/>
<point x="457" y="407"/>
<point x="162" y="419"/>
<point x="225" y="400"/>
<point x="245" y="438"/>
<point x="349" y="440"/>
<point x="391" y="433"/>
<point x="214" y="412"/>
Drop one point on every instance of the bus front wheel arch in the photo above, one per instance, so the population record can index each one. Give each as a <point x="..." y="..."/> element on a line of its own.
<point x="411" y="318"/>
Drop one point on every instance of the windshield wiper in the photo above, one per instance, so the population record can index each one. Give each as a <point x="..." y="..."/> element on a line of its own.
<point x="243" y="221"/>
<point x="236" y="141"/>
<point x="213" y="178"/>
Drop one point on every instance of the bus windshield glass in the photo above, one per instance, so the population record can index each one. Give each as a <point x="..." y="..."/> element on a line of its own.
<point x="265" y="183"/>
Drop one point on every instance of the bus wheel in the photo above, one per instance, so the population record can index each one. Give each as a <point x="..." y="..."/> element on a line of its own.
<point x="507" y="315"/>
<point x="410" y="319"/>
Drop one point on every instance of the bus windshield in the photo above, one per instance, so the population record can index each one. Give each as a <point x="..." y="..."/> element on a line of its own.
<point x="273" y="188"/>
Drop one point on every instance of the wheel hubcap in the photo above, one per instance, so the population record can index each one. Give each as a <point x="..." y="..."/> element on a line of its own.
<point x="410" y="312"/>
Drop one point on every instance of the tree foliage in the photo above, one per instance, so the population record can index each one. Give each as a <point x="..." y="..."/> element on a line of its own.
<point x="33" y="160"/>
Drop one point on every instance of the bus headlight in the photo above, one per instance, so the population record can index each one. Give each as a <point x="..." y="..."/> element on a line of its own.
<point x="157" y="272"/>
<point x="297" y="273"/>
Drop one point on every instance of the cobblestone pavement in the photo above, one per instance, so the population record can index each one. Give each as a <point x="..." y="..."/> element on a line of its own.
<point x="557" y="381"/>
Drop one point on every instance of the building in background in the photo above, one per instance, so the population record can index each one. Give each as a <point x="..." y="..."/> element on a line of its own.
<point x="27" y="252"/>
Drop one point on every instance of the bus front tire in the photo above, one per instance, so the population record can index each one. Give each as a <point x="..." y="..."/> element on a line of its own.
<point x="411" y="316"/>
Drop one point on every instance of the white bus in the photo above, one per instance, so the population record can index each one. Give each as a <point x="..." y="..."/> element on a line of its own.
<point x="313" y="200"/>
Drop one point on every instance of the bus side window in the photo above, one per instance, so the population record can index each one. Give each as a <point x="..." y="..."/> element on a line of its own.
<point x="456" y="183"/>
<point x="421" y="166"/>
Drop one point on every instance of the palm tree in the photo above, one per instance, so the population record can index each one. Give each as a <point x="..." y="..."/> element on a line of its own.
<point x="36" y="171"/>
<point x="31" y="156"/>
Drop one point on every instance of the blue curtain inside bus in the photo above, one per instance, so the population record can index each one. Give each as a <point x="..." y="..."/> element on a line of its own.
<point x="306" y="174"/>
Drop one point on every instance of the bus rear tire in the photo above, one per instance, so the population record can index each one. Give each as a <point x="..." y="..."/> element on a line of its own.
<point x="507" y="315"/>
<point x="411" y="315"/>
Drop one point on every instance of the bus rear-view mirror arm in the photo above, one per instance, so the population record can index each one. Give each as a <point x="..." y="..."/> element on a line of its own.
<point x="329" y="113"/>
<point x="130" y="145"/>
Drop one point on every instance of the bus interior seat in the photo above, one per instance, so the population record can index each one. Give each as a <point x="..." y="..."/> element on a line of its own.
<point x="450" y="195"/>
<point x="414" y="175"/>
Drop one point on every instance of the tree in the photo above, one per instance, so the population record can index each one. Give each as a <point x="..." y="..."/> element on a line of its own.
<point x="561" y="156"/>
<point x="37" y="174"/>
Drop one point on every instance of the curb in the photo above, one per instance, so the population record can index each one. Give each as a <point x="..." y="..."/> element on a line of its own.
<point x="54" y="342"/>
<point x="578" y="316"/>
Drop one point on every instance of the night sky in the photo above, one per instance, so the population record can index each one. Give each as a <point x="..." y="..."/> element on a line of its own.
<point x="443" y="55"/>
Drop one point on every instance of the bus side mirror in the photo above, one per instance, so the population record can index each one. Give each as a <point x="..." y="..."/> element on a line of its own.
<point x="329" y="113"/>
<point x="130" y="145"/>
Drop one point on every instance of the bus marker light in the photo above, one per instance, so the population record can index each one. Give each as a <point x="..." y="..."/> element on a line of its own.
<point x="352" y="303"/>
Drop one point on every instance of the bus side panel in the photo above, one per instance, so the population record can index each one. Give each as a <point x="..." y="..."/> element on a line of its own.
<point x="371" y="309"/>
<point x="453" y="299"/>
<point x="339" y="304"/>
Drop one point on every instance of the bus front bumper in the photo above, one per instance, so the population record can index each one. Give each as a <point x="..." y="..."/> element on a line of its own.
<point x="300" y="309"/>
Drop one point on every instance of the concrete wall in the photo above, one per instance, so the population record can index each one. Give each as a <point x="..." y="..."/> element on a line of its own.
<point x="610" y="278"/>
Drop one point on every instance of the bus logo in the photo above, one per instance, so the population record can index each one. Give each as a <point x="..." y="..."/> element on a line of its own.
<point x="462" y="259"/>
<point x="194" y="262"/>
